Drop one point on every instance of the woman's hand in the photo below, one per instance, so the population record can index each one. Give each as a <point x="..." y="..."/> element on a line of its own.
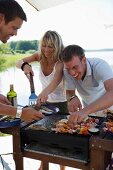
<point x="27" y="70"/>
<point x="42" y="98"/>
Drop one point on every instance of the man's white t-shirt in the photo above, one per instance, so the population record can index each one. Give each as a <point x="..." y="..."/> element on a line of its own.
<point x="92" y="87"/>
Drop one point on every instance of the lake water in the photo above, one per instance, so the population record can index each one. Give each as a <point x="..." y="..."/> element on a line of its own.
<point x="105" y="55"/>
<point x="21" y="84"/>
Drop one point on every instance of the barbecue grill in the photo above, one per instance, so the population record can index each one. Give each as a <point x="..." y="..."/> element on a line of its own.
<point x="76" y="144"/>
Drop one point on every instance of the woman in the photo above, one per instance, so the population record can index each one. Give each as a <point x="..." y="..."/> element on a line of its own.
<point x="50" y="73"/>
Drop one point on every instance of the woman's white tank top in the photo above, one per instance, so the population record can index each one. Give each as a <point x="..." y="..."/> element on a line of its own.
<point x="58" y="95"/>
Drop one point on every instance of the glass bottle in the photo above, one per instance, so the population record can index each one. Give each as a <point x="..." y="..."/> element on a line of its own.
<point x="12" y="96"/>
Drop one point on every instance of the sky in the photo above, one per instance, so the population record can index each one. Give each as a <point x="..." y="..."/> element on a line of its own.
<point x="88" y="23"/>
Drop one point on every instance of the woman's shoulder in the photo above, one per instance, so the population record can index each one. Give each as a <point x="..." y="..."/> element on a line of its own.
<point x="37" y="56"/>
<point x="59" y="64"/>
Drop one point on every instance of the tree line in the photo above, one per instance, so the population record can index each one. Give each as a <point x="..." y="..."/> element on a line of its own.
<point x="21" y="46"/>
<point x="15" y="50"/>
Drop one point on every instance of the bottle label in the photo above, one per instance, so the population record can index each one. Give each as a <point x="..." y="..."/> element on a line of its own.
<point x="13" y="101"/>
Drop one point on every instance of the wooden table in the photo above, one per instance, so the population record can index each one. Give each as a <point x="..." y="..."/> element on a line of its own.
<point x="100" y="153"/>
<point x="17" y="154"/>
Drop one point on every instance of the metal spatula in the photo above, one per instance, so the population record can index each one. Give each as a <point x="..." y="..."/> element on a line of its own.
<point x="33" y="96"/>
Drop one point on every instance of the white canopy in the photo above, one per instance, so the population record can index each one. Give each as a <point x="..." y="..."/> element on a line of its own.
<point x="44" y="4"/>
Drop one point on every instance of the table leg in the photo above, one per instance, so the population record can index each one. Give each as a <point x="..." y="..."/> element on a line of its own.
<point x="45" y="165"/>
<point x="99" y="159"/>
<point x="17" y="154"/>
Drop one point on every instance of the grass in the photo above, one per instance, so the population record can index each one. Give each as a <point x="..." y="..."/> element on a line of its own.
<point x="3" y="134"/>
<point x="10" y="60"/>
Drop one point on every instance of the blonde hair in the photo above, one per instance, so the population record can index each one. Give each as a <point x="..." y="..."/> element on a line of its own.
<point x="53" y="39"/>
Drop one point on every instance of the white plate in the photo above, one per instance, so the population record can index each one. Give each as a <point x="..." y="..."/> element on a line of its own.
<point x="101" y="113"/>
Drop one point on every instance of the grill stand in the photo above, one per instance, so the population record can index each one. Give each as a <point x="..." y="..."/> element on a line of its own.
<point x="100" y="153"/>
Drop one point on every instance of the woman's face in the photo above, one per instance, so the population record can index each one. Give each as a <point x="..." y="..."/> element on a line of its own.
<point x="47" y="50"/>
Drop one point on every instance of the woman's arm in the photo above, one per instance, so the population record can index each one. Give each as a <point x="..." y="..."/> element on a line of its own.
<point x="33" y="57"/>
<point x="27" y="69"/>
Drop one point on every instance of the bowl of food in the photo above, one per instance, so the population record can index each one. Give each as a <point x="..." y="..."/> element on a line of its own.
<point x="93" y="130"/>
<point x="9" y="121"/>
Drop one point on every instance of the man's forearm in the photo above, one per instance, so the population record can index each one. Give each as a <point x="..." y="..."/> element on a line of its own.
<point x="102" y="103"/>
<point x="7" y="110"/>
<point x="69" y="94"/>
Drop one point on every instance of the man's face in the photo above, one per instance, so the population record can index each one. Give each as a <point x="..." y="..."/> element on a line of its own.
<point x="76" y="67"/>
<point x="9" y="29"/>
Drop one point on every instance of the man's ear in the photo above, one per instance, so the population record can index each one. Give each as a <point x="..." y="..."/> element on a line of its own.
<point x="1" y="17"/>
<point x="84" y="60"/>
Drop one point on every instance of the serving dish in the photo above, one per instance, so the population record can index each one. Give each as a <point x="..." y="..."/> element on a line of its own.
<point x="8" y="121"/>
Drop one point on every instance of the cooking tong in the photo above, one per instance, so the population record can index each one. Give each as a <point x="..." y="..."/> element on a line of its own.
<point x="33" y="96"/>
<point x="46" y="108"/>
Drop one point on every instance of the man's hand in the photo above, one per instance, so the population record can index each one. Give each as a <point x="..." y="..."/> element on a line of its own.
<point x="4" y="100"/>
<point x="29" y="114"/>
<point x="74" y="105"/>
<point x="76" y="117"/>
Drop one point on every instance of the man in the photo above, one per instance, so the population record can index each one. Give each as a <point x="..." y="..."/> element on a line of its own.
<point x="11" y="19"/>
<point x="91" y="77"/>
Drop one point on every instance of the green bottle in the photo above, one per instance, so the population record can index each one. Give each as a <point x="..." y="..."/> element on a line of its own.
<point x="12" y="96"/>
